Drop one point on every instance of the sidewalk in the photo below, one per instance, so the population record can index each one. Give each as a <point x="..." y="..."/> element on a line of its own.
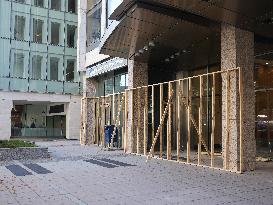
<point x="88" y="175"/>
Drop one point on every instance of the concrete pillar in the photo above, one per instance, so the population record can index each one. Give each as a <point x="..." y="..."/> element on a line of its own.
<point x="88" y="112"/>
<point x="237" y="50"/>
<point x="5" y="119"/>
<point x="137" y="76"/>
<point x="81" y="42"/>
<point x="73" y="115"/>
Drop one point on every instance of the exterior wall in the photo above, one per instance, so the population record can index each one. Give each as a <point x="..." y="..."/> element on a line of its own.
<point x="9" y="46"/>
<point x="72" y="117"/>
<point x="237" y="50"/>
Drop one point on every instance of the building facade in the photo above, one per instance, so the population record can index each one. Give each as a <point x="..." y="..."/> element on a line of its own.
<point x="40" y="87"/>
<point x="165" y="41"/>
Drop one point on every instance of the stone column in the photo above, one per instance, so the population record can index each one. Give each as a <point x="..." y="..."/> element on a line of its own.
<point x="137" y="76"/>
<point x="88" y="112"/>
<point x="5" y="117"/>
<point x="237" y="50"/>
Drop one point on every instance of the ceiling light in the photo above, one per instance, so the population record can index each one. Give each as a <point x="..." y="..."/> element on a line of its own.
<point x="141" y="51"/>
<point x="151" y="43"/>
<point x="172" y="57"/>
<point x="177" y="54"/>
<point x="266" y="63"/>
<point x="146" y="48"/>
<point x="167" y="60"/>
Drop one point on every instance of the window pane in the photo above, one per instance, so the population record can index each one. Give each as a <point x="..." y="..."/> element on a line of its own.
<point x="93" y="27"/>
<point x="38" y="30"/>
<point x="56" y="4"/>
<point x="20" y="1"/>
<point x="72" y="6"/>
<point x="108" y="86"/>
<point x="18" y="67"/>
<point x="71" y="33"/>
<point x="39" y="3"/>
<point x="70" y="70"/>
<point x="19" y="28"/>
<point x="36" y="67"/>
<point x="54" y="65"/>
<point x="55" y="33"/>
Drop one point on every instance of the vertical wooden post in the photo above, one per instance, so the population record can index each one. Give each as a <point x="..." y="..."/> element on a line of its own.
<point x="125" y="120"/>
<point x="145" y="121"/>
<point x="189" y="122"/>
<point x="213" y="90"/>
<point x="118" y="120"/>
<point x="133" y="118"/>
<point x="109" y="110"/>
<point x="200" y="121"/>
<point x="227" y="122"/>
<point x="103" y="117"/>
<point x="153" y="116"/>
<point x="178" y="121"/>
<point x="241" y="118"/>
<point x="169" y="126"/>
<point x="97" y="121"/>
<point x="138" y="120"/>
<point x="161" y="113"/>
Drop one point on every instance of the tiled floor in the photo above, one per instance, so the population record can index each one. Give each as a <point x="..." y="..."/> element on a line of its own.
<point x="78" y="175"/>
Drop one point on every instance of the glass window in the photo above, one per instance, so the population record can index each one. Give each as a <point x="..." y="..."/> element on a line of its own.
<point x="19" y="28"/>
<point x="56" y="5"/>
<point x="36" y="67"/>
<point x="120" y="83"/>
<point x="108" y="86"/>
<point x="54" y="65"/>
<point x="39" y="3"/>
<point x="20" y="1"/>
<point x="111" y="6"/>
<point x="18" y="66"/>
<point x="70" y="70"/>
<point x="94" y="27"/>
<point x="72" y="6"/>
<point x="38" y="30"/>
<point x="55" y="33"/>
<point x="71" y="34"/>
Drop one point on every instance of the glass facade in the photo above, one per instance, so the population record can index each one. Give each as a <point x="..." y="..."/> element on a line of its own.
<point x="38" y="46"/>
<point x="264" y="105"/>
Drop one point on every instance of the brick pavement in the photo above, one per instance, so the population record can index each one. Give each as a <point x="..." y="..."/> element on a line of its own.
<point x="75" y="179"/>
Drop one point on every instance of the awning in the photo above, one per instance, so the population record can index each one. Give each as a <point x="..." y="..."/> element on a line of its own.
<point x="105" y="66"/>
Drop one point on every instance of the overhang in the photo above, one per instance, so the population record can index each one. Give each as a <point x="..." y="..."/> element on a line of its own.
<point x="176" y="24"/>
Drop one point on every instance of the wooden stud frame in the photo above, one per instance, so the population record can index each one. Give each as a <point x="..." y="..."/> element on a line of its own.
<point x="200" y="134"/>
<point x="169" y="125"/>
<point x="227" y="121"/>
<point x="189" y="122"/>
<point x="138" y="121"/>
<point x="213" y="92"/>
<point x="145" y="121"/>
<point x="161" y="98"/>
<point x="241" y="119"/>
<point x="178" y="121"/>
<point x="101" y="110"/>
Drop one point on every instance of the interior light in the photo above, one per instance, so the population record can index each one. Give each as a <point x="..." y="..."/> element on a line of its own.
<point x="167" y="60"/>
<point x="146" y="48"/>
<point x="177" y="54"/>
<point x="262" y="116"/>
<point x="266" y="63"/>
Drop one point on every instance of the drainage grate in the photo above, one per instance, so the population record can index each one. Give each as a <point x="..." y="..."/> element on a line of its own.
<point x="100" y="163"/>
<point x="122" y="164"/>
<point x="18" y="170"/>
<point x="37" y="168"/>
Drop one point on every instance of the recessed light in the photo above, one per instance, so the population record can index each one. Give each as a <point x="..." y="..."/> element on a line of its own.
<point x="146" y="48"/>
<point x="167" y="60"/>
<point x="172" y="57"/>
<point x="266" y="63"/>
<point x="141" y="51"/>
<point x="151" y="43"/>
